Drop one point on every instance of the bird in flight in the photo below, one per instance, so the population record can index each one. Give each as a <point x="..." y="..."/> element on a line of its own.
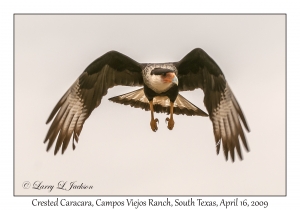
<point x="161" y="84"/>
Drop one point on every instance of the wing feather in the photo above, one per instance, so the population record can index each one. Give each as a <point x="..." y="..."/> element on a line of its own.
<point x="76" y="105"/>
<point x="198" y="70"/>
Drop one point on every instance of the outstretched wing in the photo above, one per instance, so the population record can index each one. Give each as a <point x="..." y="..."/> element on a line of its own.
<point x="198" y="70"/>
<point x="76" y="105"/>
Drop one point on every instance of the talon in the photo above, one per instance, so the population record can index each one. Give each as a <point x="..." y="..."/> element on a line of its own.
<point x="167" y="120"/>
<point x="153" y="124"/>
<point x="170" y="123"/>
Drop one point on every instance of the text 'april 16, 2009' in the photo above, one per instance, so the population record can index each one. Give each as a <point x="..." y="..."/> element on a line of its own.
<point x="166" y="202"/>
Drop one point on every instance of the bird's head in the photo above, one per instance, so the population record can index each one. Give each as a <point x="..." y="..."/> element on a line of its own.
<point x="167" y="76"/>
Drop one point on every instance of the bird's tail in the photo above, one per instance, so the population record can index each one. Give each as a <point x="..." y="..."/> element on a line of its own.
<point x="161" y="104"/>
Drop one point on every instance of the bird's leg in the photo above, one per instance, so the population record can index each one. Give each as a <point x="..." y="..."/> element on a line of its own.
<point x="153" y="121"/>
<point x="170" y="120"/>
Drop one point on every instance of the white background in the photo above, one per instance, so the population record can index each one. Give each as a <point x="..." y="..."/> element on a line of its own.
<point x="118" y="153"/>
<point x="7" y="53"/>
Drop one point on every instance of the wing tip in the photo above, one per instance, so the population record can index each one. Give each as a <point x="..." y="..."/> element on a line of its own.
<point x="55" y="151"/>
<point x="232" y="148"/>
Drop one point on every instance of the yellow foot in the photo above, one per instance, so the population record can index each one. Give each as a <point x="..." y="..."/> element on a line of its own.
<point x="170" y="123"/>
<point x="153" y="124"/>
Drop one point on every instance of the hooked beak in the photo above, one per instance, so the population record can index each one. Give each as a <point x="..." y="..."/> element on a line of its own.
<point x="170" y="78"/>
<point x="175" y="80"/>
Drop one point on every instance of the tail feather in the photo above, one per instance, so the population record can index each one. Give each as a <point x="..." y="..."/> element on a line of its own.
<point x="161" y="104"/>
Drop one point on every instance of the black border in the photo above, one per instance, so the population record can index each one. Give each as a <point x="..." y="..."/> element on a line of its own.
<point x="69" y="14"/>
